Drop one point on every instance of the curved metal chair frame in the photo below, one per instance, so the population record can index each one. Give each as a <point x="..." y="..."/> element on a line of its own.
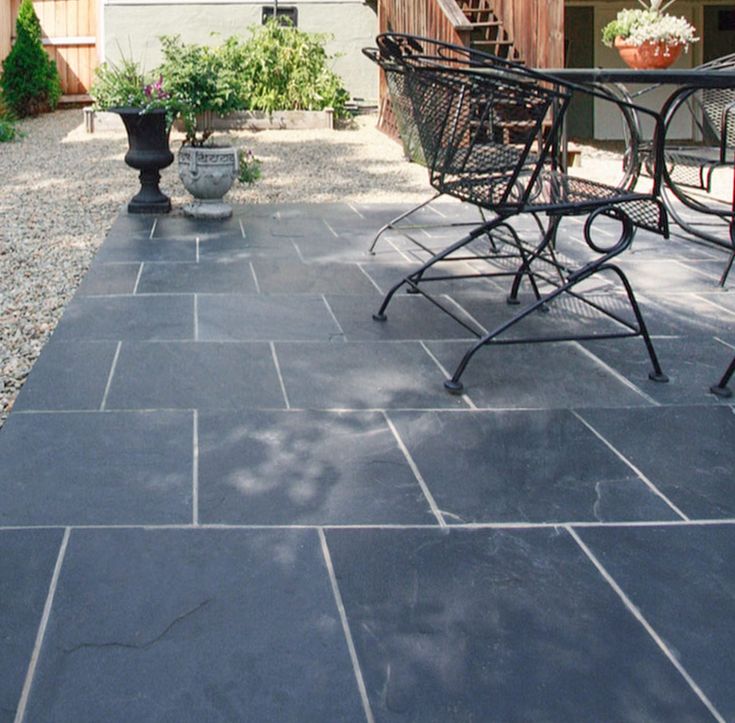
<point x="490" y="136"/>
<point x="692" y="167"/>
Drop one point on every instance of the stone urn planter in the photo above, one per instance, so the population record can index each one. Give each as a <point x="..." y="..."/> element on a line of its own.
<point x="651" y="55"/>
<point x="208" y="173"/>
<point x="148" y="152"/>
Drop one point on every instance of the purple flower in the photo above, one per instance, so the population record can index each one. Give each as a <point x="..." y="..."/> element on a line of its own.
<point x="155" y="91"/>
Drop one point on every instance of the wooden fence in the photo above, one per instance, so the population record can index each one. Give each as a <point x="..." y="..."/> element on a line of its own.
<point x="69" y="30"/>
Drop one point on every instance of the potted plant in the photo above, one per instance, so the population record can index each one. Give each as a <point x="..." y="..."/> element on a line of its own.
<point x="204" y="81"/>
<point x="147" y="111"/>
<point x="648" y="37"/>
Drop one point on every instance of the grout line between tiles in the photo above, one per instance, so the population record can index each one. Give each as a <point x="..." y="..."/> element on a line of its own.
<point x="195" y="469"/>
<point x="405" y="256"/>
<point x="336" y="320"/>
<point x="331" y="230"/>
<point x="416" y="472"/>
<point x="466" y="313"/>
<point x="370" y="278"/>
<point x="613" y="372"/>
<point x="255" y="277"/>
<point x="298" y="252"/>
<point x="635" y="469"/>
<point x="346" y="628"/>
<point x="429" y="207"/>
<point x="41" y="633"/>
<point x="280" y="375"/>
<point x="714" y="304"/>
<point x="349" y="205"/>
<point x="113" y="366"/>
<point x="242" y="229"/>
<point x="638" y="615"/>
<point x="196" y="317"/>
<point x="725" y="343"/>
<point x="196" y="246"/>
<point x="464" y="396"/>
<point x="137" y="278"/>
<point x="153" y="229"/>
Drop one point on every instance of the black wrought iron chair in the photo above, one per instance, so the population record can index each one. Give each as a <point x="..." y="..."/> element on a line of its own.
<point x="490" y="137"/>
<point x="689" y="169"/>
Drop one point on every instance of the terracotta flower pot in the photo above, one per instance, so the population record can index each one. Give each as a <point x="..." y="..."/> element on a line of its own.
<point x="651" y="55"/>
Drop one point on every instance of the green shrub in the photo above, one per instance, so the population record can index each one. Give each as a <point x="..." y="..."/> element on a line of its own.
<point x="287" y="69"/>
<point x="8" y="131"/>
<point x="30" y="81"/>
<point x="201" y="80"/>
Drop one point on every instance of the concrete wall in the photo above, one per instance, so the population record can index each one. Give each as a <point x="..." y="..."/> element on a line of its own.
<point x="131" y="27"/>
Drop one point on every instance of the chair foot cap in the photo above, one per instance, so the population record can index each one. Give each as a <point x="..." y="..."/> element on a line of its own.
<point x="453" y="387"/>
<point x="513" y="300"/>
<point x="379" y="317"/>
<point x="658" y="377"/>
<point x="412" y="290"/>
<point x="723" y="392"/>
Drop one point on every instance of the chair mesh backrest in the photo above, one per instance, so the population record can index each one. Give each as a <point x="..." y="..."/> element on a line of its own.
<point x="713" y="102"/>
<point x="478" y="130"/>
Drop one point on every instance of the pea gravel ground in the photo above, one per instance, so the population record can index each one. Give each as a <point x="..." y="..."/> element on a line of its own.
<point x="61" y="188"/>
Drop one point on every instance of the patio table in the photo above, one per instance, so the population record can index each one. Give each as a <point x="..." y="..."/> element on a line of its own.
<point x="685" y="82"/>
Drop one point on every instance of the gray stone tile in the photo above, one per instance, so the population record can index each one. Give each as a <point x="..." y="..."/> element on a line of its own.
<point x="686" y="451"/>
<point x="137" y="249"/>
<point x="360" y="375"/>
<point x="295" y="277"/>
<point x="496" y="626"/>
<point x="231" y="277"/>
<point x="68" y="375"/>
<point x="177" y="227"/>
<point x="693" y="365"/>
<point x="265" y="317"/>
<point x="128" y="225"/>
<point x="315" y="468"/>
<point x="537" y="376"/>
<point x="27" y="559"/>
<point x="194" y="375"/>
<point x="194" y="625"/>
<point x="681" y="579"/>
<point x="543" y="466"/>
<point x="660" y="275"/>
<point x="409" y="317"/>
<point x="688" y="314"/>
<point x="110" y="279"/>
<point x="96" y="468"/>
<point x="127" y="317"/>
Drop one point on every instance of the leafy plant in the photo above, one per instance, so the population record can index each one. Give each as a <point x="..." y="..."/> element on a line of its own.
<point x="125" y="85"/>
<point x="287" y="69"/>
<point x="650" y="23"/>
<point x="30" y="80"/>
<point x="250" y="170"/>
<point x="8" y="131"/>
<point x="202" y="81"/>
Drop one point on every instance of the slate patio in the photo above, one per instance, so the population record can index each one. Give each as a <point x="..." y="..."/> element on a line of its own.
<point x="227" y="494"/>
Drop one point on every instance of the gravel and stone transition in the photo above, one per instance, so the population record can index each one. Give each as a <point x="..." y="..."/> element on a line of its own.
<point x="61" y="189"/>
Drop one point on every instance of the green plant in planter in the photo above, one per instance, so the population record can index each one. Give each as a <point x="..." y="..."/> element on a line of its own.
<point x="285" y="68"/>
<point x="202" y="81"/>
<point x="30" y="80"/>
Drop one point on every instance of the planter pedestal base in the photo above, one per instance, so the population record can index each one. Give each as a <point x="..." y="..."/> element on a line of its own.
<point x="150" y="199"/>
<point x="211" y="209"/>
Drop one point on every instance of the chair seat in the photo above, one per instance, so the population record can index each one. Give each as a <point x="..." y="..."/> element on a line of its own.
<point x="557" y="193"/>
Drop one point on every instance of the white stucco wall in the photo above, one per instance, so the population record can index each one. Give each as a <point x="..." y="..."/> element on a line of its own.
<point x="132" y="27"/>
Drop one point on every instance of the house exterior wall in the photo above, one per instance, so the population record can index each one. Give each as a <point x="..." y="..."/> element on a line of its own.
<point x="132" y="27"/>
<point x="607" y="125"/>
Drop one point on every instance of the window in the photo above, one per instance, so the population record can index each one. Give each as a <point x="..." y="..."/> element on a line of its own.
<point x="283" y="14"/>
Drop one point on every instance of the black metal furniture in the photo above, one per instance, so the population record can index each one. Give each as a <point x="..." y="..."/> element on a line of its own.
<point x="721" y="389"/>
<point x="709" y="90"/>
<point x="490" y="136"/>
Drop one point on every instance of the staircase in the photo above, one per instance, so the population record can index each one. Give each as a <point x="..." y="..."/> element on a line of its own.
<point x="488" y="34"/>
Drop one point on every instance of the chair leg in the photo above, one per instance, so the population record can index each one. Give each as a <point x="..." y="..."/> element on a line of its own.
<point x="525" y="267"/>
<point x="454" y="385"/>
<point x="721" y="389"/>
<point x="391" y="224"/>
<point x="414" y="277"/>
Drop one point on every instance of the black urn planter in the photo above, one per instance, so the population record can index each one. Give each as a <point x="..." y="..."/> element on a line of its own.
<point x="148" y="153"/>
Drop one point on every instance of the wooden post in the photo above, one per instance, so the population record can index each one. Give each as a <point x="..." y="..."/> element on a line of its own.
<point x="6" y="28"/>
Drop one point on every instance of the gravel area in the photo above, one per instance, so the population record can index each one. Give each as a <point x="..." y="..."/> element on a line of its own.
<point x="61" y="188"/>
